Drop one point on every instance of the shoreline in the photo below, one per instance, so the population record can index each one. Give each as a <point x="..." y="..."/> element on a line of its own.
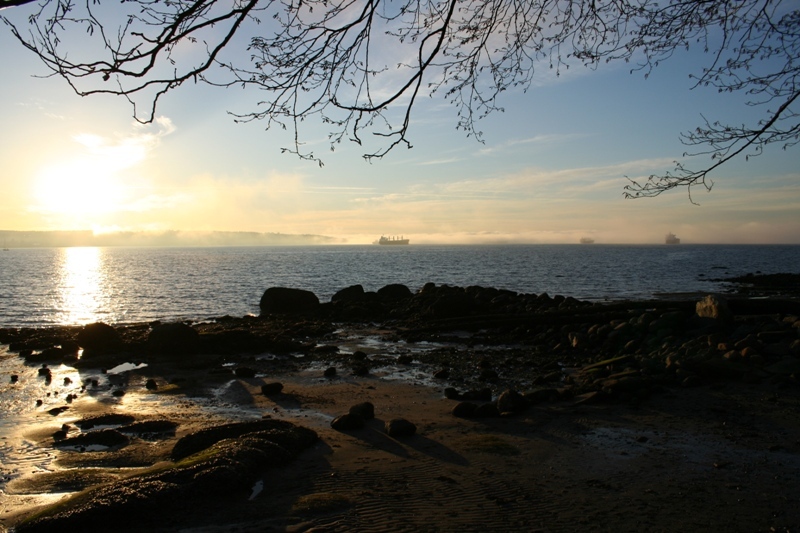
<point x="621" y="417"/>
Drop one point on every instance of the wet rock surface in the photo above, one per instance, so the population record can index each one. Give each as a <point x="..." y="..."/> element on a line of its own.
<point x="221" y="464"/>
<point x="496" y="355"/>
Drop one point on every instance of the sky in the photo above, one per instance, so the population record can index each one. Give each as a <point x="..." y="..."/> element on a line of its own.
<point x="551" y="168"/>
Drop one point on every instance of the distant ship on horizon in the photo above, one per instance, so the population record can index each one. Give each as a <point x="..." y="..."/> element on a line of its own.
<point x="392" y="240"/>
<point x="587" y="240"/>
<point x="671" y="239"/>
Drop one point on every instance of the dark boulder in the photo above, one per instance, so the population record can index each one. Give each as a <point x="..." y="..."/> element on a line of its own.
<point x="175" y="338"/>
<point x="481" y="395"/>
<point x="166" y="498"/>
<point x="205" y="438"/>
<point x="245" y="372"/>
<point x="400" y="427"/>
<point x="464" y="409"/>
<point x="395" y="291"/>
<point x="99" y="339"/>
<point x="348" y="422"/>
<point x="510" y="401"/>
<point x="282" y="300"/>
<point x="486" y="410"/>
<point x="270" y="389"/>
<point x="365" y="409"/>
<point x="353" y="293"/>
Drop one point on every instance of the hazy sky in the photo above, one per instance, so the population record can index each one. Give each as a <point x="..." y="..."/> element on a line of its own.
<point x="552" y="167"/>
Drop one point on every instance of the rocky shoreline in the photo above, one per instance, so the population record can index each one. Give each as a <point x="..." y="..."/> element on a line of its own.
<point x="492" y="355"/>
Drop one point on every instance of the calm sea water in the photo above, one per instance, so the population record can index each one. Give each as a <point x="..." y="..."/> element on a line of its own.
<point x="41" y="287"/>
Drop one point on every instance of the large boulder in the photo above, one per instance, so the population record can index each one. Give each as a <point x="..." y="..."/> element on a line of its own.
<point x="174" y="338"/>
<point x="99" y="339"/>
<point x="282" y="300"/>
<point x="354" y="293"/>
<point x="395" y="291"/>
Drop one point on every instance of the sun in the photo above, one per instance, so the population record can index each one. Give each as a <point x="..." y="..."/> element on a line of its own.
<point x="80" y="187"/>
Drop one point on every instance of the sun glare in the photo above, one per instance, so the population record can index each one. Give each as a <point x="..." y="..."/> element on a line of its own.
<point x="83" y="282"/>
<point x="80" y="187"/>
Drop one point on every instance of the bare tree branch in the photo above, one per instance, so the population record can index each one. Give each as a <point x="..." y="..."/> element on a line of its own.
<point x="360" y="66"/>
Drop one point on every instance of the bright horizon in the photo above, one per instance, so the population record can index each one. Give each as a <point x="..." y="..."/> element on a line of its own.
<point x="552" y="169"/>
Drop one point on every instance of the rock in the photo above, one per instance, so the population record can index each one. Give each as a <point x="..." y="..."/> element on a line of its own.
<point x="111" y="419"/>
<point x="348" y="422"/>
<point x="151" y="384"/>
<point x="175" y="338"/>
<point x="105" y="437"/>
<point x="167" y="498"/>
<point x="205" y="438"/>
<point x="330" y="372"/>
<point x="270" y="389"/>
<point x="405" y="359"/>
<point x="14" y="378"/>
<point x="353" y="293"/>
<point x="395" y="291"/>
<point x="452" y="394"/>
<point x="443" y="373"/>
<point x="464" y="409"/>
<point x="149" y="426"/>
<point x="510" y="401"/>
<point x="716" y="307"/>
<point x="245" y="372"/>
<point x="488" y="375"/>
<point x="400" y="427"/>
<point x="360" y="369"/>
<point x="487" y="410"/>
<point x="99" y="339"/>
<point x="542" y="395"/>
<point x="282" y="300"/>
<point x="365" y="409"/>
<point x="482" y="395"/>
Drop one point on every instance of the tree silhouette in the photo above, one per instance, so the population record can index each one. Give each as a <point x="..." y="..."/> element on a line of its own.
<point x="360" y="66"/>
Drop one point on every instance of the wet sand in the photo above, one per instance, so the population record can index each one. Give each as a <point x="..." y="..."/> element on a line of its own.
<point x="721" y="457"/>
<point x="639" y="416"/>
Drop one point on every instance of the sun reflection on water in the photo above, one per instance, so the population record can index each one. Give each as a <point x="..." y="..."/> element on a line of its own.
<point x="82" y="285"/>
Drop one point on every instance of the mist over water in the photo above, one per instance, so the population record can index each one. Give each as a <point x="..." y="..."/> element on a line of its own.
<point x="41" y="287"/>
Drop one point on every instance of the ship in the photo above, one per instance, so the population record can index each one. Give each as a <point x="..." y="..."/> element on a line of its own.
<point x="671" y="239"/>
<point x="587" y="240"/>
<point x="392" y="240"/>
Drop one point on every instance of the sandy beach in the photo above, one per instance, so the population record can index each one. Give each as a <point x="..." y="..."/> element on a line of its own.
<point x="613" y="444"/>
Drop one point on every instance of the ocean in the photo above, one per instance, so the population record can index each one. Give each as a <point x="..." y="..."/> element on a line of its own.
<point x="55" y="286"/>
